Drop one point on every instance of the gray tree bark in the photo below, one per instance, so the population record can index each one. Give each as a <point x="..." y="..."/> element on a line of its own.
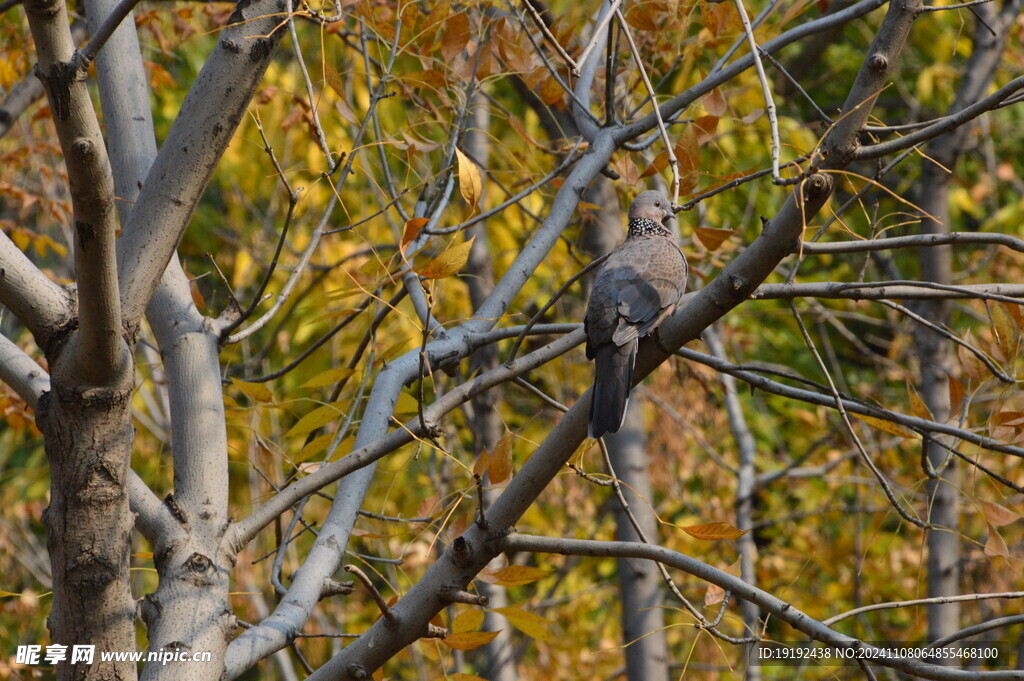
<point x="935" y="352"/>
<point x="640" y="582"/>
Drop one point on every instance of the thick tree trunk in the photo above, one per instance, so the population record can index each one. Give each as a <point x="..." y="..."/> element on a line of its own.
<point x="88" y="434"/>
<point x="746" y="474"/>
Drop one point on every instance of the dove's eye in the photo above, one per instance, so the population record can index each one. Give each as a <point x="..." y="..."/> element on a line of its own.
<point x="657" y="204"/>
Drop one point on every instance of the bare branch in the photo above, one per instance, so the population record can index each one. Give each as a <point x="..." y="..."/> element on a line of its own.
<point x="914" y="241"/>
<point x="896" y="290"/>
<point x="819" y="631"/>
<point x="943" y="125"/>
<point x="912" y="422"/>
<point x="205" y="124"/>
<point x="889" y="605"/>
<point x="38" y="303"/>
<point x="766" y="90"/>
<point x="21" y="373"/>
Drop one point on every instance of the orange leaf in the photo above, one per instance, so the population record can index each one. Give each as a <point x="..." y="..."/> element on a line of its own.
<point x="706" y="126"/>
<point x="716" y="594"/>
<point x="411" y="231"/>
<point x="886" y="426"/>
<point x="470" y="639"/>
<point x="712" y="531"/>
<point x="998" y="515"/>
<point x="455" y="36"/>
<point x="713" y="238"/>
<point x="956" y="395"/>
<point x="500" y="466"/>
<point x="996" y="545"/>
<point x="482" y="461"/>
<point x="715" y="103"/>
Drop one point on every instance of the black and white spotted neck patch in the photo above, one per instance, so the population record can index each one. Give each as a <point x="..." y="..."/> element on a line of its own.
<point x="647" y="227"/>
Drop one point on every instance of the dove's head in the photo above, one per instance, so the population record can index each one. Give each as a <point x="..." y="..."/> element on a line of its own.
<point x="649" y="214"/>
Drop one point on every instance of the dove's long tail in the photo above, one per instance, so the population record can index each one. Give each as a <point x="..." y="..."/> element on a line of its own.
<point x="613" y="378"/>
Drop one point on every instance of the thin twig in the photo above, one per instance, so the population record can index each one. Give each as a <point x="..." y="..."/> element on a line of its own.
<point x="960" y="5"/>
<point x="547" y="306"/>
<point x="537" y="19"/>
<point x="673" y="162"/>
<point x="886" y="487"/>
<point x="889" y="605"/>
<point x="945" y="333"/>
<point x="374" y="594"/>
<point x="766" y="90"/>
<point x="613" y="9"/>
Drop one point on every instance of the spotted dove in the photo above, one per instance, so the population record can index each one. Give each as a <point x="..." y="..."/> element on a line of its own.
<point x="634" y="291"/>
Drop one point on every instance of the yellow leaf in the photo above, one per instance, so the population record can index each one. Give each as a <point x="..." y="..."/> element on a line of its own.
<point x="713" y="238"/>
<point x="917" y="406"/>
<point x="998" y="515"/>
<point x="715" y="103"/>
<point x="256" y="391"/>
<point x="469" y="620"/>
<point x="500" y="466"/>
<point x="1014" y="311"/>
<point x="315" y="446"/>
<point x="886" y="426"/>
<point x="1005" y="329"/>
<point x="469" y="180"/>
<point x="996" y="545"/>
<point x="317" y="418"/>
<point x="329" y="377"/>
<point x="481" y="464"/>
<point x="406" y="404"/>
<point x="449" y="262"/>
<point x="334" y="81"/>
<point x="517" y="575"/>
<point x="411" y="231"/>
<point x="530" y="624"/>
<point x="973" y="367"/>
<point x="460" y="676"/>
<point x="712" y="531"/>
<point x="143" y="555"/>
<point x="470" y="639"/>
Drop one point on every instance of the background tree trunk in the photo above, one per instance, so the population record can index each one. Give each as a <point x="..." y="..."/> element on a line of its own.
<point x="936" y="356"/>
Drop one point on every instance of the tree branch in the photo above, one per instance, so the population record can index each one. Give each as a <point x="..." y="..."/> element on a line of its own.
<point x="946" y="124"/>
<point x="41" y="305"/>
<point x="96" y="353"/>
<point x="782" y="610"/>
<point x="205" y="124"/>
<point x="913" y="422"/>
<point x="21" y="373"/>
